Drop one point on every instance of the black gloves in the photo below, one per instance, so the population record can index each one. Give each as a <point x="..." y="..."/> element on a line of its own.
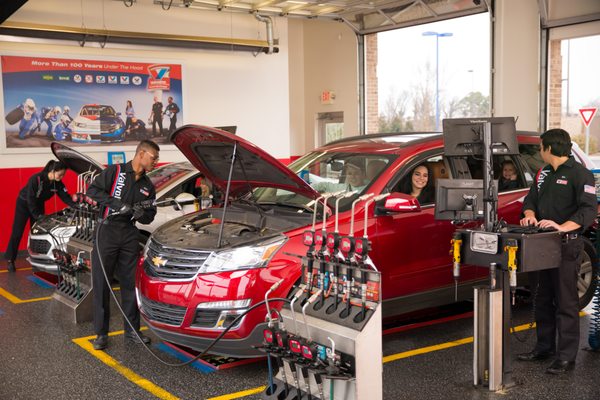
<point x="145" y="204"/>
<point x="125" y="209"/>
<point x="138" y="212"/>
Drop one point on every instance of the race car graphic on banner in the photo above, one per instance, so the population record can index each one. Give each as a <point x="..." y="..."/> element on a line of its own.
<point x="89" y="102"/>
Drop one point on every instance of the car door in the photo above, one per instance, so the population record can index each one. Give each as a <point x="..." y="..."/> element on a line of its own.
<point x="412" y="248"/>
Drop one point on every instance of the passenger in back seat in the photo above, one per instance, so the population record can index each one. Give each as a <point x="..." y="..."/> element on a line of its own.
<point x="508" y="180"/>
<point x="417" y="184"/>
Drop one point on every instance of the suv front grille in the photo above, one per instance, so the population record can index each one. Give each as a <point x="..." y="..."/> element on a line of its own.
<point x="163" y="312"/>
<point x="173" y="264"/>
<point x="39" y="246"/>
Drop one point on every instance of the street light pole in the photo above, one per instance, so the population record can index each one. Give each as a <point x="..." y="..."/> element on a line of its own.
<point x="437" y="87"/>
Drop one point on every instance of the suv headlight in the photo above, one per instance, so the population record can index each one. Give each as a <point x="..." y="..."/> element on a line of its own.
<point x="247" y="257"/>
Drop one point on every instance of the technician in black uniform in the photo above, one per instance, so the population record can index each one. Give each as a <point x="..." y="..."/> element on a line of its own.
<point x="171" y="111"/>
<point x="30" y="203"/>
<point x="119" y="190"/>
<point x="156" y="116"/>
<point x="562" y="197"/>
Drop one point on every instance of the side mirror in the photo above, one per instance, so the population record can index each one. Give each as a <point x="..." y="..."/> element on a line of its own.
<point x="400" y="202"/>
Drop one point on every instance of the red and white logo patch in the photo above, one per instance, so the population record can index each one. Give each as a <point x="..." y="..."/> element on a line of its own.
<point x="562" y="181"/>
<point x="589" y="189"/>
<point x="144" y="192"/>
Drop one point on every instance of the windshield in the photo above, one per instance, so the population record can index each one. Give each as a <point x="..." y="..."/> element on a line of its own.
<point x="328" y="172"/>
<point x="163" y="176"/>
<point x="102" y="111"/>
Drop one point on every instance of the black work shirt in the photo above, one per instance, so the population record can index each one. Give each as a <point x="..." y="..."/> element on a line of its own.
<point x="567" y="194"/>
<point x="157" y="109"/>
<point x="172" y="108"/>
<point x="116" y="185"/>
<point x="39" y="189"/>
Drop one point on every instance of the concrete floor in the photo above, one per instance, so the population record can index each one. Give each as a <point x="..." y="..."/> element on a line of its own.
<point x="44" y="355"/>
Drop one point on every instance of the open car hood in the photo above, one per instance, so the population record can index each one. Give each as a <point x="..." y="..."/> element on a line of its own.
<point x="74" y="160"/>
<point x="210" y="151"/>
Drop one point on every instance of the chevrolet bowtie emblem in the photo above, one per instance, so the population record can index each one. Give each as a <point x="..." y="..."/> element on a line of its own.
<point x="159" y="261"/>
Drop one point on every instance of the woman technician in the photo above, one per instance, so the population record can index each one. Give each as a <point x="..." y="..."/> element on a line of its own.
<point x="30" y="203"/>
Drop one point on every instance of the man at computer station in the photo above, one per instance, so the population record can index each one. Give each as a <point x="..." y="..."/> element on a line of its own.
<point x="562" y="197"/>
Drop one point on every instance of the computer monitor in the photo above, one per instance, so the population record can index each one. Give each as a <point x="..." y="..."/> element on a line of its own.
<point x="464" y="136"/>
<point x="460" y="199"/>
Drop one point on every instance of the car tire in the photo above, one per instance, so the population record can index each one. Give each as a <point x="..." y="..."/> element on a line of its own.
<point x="588" y="274"/>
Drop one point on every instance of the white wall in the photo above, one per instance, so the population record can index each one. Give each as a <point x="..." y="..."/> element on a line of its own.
<point x="299" y="131"/>
<point x="220" y="87"/>
<point x="517" y="55"/>
<point x="331" y="63"/>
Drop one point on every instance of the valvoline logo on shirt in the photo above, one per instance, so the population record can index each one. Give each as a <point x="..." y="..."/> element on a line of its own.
<point x="159" y="77"/>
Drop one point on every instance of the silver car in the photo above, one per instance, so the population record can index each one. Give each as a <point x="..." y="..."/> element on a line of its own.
<point x="172" y="181"/>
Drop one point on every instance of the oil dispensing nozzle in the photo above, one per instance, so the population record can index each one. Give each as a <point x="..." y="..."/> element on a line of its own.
<point x="335" y="255"/>
<point x="297" y="295"/>
<point x="511" y="247"/>
<point x="333" y="238"/>
<point x="271" y="290"/>
<point x="456" y="243"/>
<point x="347" y="243"/>
<point x="347" y="247"/>
<point x="308" y="238"/>
<point x="320" y="239"/>
<point x="362" y="246"/>
<point x="361" y="198"/>
<point x="309" y="301"/>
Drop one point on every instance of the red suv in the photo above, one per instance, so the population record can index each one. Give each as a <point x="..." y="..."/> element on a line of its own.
<point x="199" y="272"/>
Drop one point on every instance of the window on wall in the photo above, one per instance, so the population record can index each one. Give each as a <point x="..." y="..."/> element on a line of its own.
<point x="330" y="127"/>
<point x="573" y="84"/>
<point x="418" y="76"/>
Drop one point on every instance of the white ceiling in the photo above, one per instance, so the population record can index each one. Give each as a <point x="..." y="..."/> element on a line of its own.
<point x="364" y="16"/>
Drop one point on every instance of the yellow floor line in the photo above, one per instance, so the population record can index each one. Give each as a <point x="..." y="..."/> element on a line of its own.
<point x="4" y="271"/>
<point x="157" y="391"/>
<point x="238" y="395"/>
<point x="84" y="343"/>
<point x="15" y="300"/>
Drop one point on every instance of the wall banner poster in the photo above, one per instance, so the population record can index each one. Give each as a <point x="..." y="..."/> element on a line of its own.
<point x="89" y="102"/>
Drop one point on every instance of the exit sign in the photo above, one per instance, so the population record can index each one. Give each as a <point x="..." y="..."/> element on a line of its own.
<point x="327" y="97"/>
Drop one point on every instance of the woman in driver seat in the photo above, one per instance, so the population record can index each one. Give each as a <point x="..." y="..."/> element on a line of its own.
<point x="418" y="184"/>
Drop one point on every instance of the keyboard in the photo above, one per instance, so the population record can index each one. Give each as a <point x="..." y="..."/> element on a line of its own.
<point x="527" y="229"/>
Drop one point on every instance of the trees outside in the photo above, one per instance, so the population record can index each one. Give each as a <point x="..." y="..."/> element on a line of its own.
<point x="421" y="99"/>
<point x="473" y="104"/>
<point x="393" y="118"/>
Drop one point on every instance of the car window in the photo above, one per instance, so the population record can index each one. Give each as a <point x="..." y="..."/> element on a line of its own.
<point x="412" y="178"/>
<point x="163" y="176"/>
<point x="187" y="186"/>
<point x="332" y="172"/>
<point x="507" y="171"/>
<point x="530" y="153"/>
<point x="328" y="172"/>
